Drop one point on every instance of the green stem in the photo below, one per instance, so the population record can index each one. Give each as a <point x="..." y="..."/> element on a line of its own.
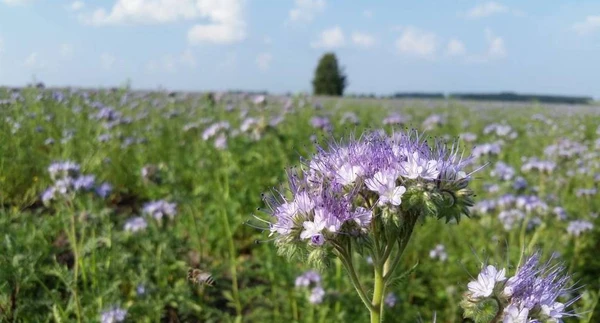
<point x="353" y="276"/>
<point x="231" y="245"/>
<point x="378" y="290"/>
<point x="75" y="266"/>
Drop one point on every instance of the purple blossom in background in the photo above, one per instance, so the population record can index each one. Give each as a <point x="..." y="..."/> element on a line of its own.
<point x="322" y="123"/>
<point x="542" y="166"/>
<point x="308" y="278"/>
<point x="104" y="190"/>
<point x="349" y="117"/>
<point x="586" y="192"/>
<point x="577" y="227"/>
<point x="62" y="169"/>
<point x="390" y="299"/>
<point x="214" y="129"/>
<point x="520" y="183"/>
<point x="433" y="121"/>
<point x="468" y="137"/>
<point x="560" y="213"/>
<point x="487" y="149"/>
<point x="113" y="315"/>
<point x="159" y="209"/>
<point x="439" y="252"/>
<point x="140" y="290"/>
<point x="503" y="171"/>
<point x="221" y="142"/>
<point x="135" y="224"/>
<point x="316" y="295"/>
<point x="396" y="119"/>
<point x="84" y="182"/>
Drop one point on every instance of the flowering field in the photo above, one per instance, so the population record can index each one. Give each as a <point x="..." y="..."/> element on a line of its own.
<point x="145" y="207"/>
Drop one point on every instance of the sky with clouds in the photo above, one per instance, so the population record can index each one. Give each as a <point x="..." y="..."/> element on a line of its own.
<point x="538" y="46"/>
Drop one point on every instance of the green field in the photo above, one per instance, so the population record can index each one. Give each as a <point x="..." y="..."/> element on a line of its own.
<point x="73" y="256"/>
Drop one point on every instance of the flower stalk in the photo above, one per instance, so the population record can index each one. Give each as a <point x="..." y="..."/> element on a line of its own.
<point x="365" y="197"/>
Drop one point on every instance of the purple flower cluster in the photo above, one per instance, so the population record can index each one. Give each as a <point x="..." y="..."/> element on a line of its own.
<point x="68" y="181"/>
<point x="541" y="166"/>
<point x="340" y="190"/>
<point x="113" y="315"/>
<point x="531" y="295"/>
<point x="439" y="252"/>
<point x="577" y="227"/>
<point x="159" y="209"/>
<point x="311" y="280"/>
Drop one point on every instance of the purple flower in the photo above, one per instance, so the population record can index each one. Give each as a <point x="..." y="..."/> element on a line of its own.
<point x="135" y="224"/>
<point x="321" y="123"/>
<point x="503" y="171"/>
<point x="84" y="183"/>
<point x="438" y="252"/>
<point x="329" y="194"/>
<point x="538" y="286"/>
<point x="316" y="295"/>
<point x="308" y="278"/>
<point x="104" y="190"/>
<point x="113" y="315"/>
<point x="158" y="209"/>
<point x="577" y="227"/>
<point x="61" y="169"/>
<point x="486" y="281"/>
<point x="390" y="300"/>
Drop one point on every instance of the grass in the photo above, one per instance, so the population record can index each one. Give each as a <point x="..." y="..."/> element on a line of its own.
<point x="73" y="260"/>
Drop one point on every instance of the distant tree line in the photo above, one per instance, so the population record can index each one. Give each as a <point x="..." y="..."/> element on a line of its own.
<point x="502" y="96"/>
<point x="514" y="97"/>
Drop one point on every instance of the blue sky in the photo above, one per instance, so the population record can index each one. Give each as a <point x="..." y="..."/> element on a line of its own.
<point x="540" y="46"/>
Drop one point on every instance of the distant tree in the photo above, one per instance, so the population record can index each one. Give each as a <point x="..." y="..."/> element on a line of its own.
<point x="329" y="77"/>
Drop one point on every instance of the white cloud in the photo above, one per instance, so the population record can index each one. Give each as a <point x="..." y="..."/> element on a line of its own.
<point x="496" y="47"/>
<point x="16" y="2"/>
<point x="589" y="25"/>
<point x="224" y="21"/>
<point x="368" y="14"/>
<point x="107" y="61"/>
<point x="455" y="48"/>
<point x="215" y="33"/>
<point x="267" y="40"/>
<point x="263" y="60"/>
<point x="330" y="38"/>
<point x="486" y="9"/>
<point x="363" y="39"/>
<point x="306" y="10"/>
<point x="66" y="50"/>
<point x="416" y="42"/>
<point x="76" y="5"/>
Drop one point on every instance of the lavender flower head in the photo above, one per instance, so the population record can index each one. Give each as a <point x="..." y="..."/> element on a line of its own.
<point x="531" y="295"/>
<point x="159" y="209"/>
<point x="113" y="315"/>
<point x="342" y="189"/>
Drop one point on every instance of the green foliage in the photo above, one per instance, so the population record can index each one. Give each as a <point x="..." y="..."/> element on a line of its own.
<point x="329" y="77"/>
<point x="37" y="276"/>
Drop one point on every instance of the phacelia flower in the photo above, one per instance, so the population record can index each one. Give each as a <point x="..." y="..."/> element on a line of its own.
<point x="577" y="227"/>
<point x="135" y="224"/>
<point x="159" y="209"/>
<point x="343" y="188"/>
<point x="486" y="281"/>
<point x="113" y="315"/>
